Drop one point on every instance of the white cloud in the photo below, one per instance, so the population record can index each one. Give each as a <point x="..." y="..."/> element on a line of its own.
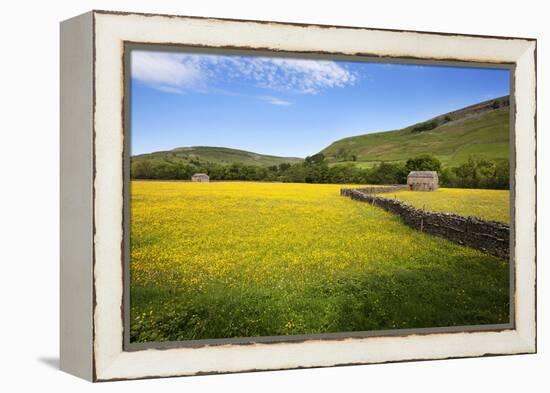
<point x="274" y="100"/>
<point x="293" y="75"/>
<point x="305" y="76"/>
<point x="168" y="72"/>
<point x="180" y="72"/>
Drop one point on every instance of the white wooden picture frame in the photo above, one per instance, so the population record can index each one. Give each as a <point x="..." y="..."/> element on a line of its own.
<point x="92" y="195"/>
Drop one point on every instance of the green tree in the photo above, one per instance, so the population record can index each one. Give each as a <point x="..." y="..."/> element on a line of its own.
<point x="387" y="173"/>
<point x="141" y="170"/>
<point x="426" y="126"/>
<point x="502" y="175"/>
<point x="478" y="173"/>
<point x="315" y="159"/>
<point x="284" y="166"/>
<point x="423" y="162"/>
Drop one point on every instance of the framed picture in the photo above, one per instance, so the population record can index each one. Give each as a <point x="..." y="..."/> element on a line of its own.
<point x="246" y="195"/>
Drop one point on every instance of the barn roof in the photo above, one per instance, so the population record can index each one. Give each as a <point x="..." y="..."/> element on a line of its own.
<point x="427" y="174"/>
<point x="200" y="174"/>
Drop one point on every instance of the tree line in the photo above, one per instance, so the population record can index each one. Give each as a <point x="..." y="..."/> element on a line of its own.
<point x="475" y="173"/>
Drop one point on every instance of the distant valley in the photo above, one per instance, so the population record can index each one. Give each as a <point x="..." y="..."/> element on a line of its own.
<point x="479" y="131"/>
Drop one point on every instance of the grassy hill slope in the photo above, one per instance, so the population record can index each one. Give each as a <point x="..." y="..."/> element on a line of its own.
<point x="216" y="155"/>
<point x="480" y="130"/>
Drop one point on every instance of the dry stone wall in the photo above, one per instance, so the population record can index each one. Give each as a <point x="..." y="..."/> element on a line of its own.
<point x="377" y="189"/>
<point x="488" y="236"/>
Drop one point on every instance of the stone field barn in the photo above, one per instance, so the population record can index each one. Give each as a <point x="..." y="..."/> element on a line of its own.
<point x="423" y="181"/>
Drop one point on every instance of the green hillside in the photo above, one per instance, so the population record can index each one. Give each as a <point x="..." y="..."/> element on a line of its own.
<point x="481" y="130"/>
<point x="214" y="155"/>
<point x="477" y="131"/>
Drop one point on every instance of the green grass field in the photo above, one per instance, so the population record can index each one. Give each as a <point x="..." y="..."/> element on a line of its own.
<point x="487" y="204"/>
<point x="219" y="260"/>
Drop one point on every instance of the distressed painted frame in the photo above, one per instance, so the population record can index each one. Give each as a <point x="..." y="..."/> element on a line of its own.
<point x="92" y="194"/>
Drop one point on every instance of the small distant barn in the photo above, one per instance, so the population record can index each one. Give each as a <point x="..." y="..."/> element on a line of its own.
<point x="423" y="181"/>
<point x="200" y="177"/>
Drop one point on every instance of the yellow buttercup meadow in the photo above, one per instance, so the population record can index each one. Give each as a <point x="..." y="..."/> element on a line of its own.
<point x="241" y="259"/>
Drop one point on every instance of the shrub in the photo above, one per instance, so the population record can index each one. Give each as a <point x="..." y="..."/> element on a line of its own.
<point x="426" y="126"/>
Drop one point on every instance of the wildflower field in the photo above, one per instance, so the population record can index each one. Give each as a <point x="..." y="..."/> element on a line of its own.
<point x="243" y="259"/>
<point x="487" y="204"/>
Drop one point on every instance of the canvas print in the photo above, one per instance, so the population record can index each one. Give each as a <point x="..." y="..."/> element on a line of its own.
<point x="279" y="196"/>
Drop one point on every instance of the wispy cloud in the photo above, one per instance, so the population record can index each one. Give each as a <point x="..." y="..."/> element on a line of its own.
<point x="177" y="73"/>
<point x="293" y="75"/>
<point x="275" y="101"/>
<point x="167" y="71"/>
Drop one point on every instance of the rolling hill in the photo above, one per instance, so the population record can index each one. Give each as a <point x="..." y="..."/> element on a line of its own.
<point x="215" y="155"/>
<point x="480" y="130"/>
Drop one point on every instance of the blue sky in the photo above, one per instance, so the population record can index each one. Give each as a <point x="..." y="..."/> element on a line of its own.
<point x="286" y="106"/>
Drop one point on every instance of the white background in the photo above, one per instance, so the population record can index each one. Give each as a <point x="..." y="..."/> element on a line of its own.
<point x="29" y="204"/>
